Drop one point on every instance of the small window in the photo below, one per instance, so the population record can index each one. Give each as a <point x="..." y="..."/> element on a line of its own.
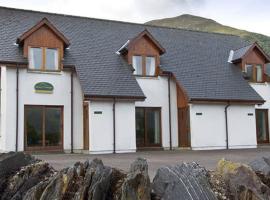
<point x="248" y="71"/>
<point x="150" y="66"/>
<point x="35" y="58"/>
<point x="44" y="59"/>
<point x="259" y="73"/>
<point x="137" y="64"/>
<point x="144" y="65"/>
<point x="267" y="69"/>
<point x="51" y="59"/>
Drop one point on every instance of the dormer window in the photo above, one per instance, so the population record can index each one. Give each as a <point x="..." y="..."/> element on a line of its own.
<point x="254" y="72"/>
<point x="44" y="46"/>
<point x="143" y="53"/>
<point x="43" y="59"/>
<point x="144" y="65"/>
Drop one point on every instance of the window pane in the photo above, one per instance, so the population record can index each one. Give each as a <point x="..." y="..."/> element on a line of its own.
<point x="261" y="119"/>
<point x="259" y="73"/>
<point x="51" y="62"/>
<point x="267" y="69"/>
<point x="153" y="127"/>
<point x="137" y="64"/>
<point x="150" y="66"/>
<point x="34" y="126"/>
<point x="35" y="58"/>
<point x="140" y="126"/>
<point x="248" y="71"/>
<point x="53" y="126"/>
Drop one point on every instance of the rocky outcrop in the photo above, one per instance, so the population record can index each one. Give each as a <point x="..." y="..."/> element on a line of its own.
<point x="261" y="166"/>
<point x="10" y="163"/>
<point x="24" y="177"/>
<point x="137" y="184"/>
<point x="242" y="182"/>
<point x="185" y="181"/>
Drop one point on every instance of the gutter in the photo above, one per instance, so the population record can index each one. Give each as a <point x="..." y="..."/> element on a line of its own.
<point x="226" y="124"/>
<point x="114" y="126"/>
<point x="169" y="103"/>
<point x="17" y="107"/>
<point x="71" y="107"/>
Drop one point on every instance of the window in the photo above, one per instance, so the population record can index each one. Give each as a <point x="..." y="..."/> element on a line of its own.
<point x="267" y="69"/>
<point x="43" y="127"/>
<point x="144" y="65"/>
<point x="248" y="70"/>
<point x="51" y="62"/>
<point x="148" y="127"/>
<point x="254" y="72"/>
<point x="43" y="59"/>
<point x="150" y="67"/>
<point x="259" y="73"/>
<point x="137" y="64"/>
<point x="35" y="58"/>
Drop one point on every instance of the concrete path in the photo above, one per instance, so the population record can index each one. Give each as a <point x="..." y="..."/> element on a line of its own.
<point x="157" y="159"/>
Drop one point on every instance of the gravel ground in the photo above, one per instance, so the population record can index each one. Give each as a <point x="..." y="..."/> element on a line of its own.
<point x="157" y="159"/>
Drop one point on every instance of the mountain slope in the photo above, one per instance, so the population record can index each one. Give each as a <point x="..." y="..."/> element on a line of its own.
<point x="208" y="25"/>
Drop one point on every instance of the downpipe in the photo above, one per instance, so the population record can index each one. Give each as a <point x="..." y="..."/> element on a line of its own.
<point x="226" y="125"/>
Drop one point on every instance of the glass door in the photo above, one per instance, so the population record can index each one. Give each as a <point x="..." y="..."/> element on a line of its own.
<point x="148" y="127"/>
<point x="43" y="128"/>
<point x="262" y="126"/>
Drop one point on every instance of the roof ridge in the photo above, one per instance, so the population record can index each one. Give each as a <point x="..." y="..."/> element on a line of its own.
<point x="117" y="21"/>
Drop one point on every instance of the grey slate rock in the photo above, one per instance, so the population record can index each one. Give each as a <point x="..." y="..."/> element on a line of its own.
<point x="261" y="166"/>
<point x="242" y="181"/>
<point x="10" y="163"/>
<point x="35" y="192"/>
<point x="187" y="181"/>
<point x="137" y="184"/>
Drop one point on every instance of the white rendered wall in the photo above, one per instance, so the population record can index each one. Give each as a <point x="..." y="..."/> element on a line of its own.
<point x="263" y="89"/>
<point x="242" y="127"/>
<point x="156" y="92"/>
<point x="101" y="127"/>
<point x="208" y="131"/>
<point x="28" y="96"/>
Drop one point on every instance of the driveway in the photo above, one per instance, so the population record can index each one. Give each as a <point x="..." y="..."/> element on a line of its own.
<point x="157" y="159"/>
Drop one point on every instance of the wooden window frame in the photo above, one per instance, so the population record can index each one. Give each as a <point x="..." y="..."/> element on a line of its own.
<point x="145" y="109"/>
<point x="144" y="65"/>
<point x="254" y="72"/>
<point x="43" y="147"/>
<point x="267" y="126"/>
<point x="43" y="66"/>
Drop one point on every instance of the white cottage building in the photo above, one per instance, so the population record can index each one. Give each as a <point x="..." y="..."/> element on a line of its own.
<point x="78" y="84"/>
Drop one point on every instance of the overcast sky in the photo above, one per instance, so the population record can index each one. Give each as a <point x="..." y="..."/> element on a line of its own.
<point x="252" y="15"/>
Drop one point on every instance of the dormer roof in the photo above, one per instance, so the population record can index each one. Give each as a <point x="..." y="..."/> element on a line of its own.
<point x="47" y="23"/>
<point x="239" y="54"/>
<point x="144" y="33"/>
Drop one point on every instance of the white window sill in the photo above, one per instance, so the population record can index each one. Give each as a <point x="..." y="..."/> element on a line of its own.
<point x="44" y="72"/>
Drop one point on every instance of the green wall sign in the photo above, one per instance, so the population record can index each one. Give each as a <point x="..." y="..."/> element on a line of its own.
<point x="44" y="87"/>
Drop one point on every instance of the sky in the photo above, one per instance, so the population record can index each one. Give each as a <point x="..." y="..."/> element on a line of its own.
<point x="251" y="15"/>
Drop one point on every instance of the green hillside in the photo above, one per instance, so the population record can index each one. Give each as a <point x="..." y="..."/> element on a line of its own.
<point x="208" y="25"/>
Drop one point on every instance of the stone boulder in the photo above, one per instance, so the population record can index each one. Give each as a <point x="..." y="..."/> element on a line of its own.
<point x="242" y="182"/>
<point x="137" y="183"/>
<point x="10" y="163"/>
<point x="26" y="178"/>
<point x="261" y="166"/>
<point x="188" y="181"/>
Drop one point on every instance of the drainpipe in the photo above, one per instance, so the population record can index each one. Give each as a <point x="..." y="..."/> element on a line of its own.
<point x="17" y="107"/>
<point x="71" y="107"/>
<point x="169" y="101"/>
<point x="226" y="124"/>
<point x="114" y="125"/>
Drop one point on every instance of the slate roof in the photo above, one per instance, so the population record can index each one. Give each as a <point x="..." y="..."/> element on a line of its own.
<point x="239" y="53"/>
<point x="197" y="59"/>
